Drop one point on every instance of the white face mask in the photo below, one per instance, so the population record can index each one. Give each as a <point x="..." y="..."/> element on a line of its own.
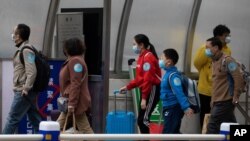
<point x="13" y="37"/>
<point x="228" y="39"/>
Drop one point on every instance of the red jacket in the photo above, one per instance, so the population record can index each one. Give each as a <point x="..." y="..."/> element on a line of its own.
<point x="147" y="73"/>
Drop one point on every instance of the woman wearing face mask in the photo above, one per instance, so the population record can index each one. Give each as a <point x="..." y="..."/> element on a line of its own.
<point x="147" y="79"/>
<point x="174" y="101"/>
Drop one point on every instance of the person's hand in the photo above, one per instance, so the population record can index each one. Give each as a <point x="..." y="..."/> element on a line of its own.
<point x="123" y="88"/>
<point x="189" y="112"/>
<point x="24" y="93"/>
<point x="143" y="104"/>
<point x="235" y="99"/>
<point x="71" y="110"/>
<point x="211" y="104"/>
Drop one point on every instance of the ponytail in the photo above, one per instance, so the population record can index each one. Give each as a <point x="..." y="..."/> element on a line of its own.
<point x="142" y="38"/>
<point x="151" y="48"/>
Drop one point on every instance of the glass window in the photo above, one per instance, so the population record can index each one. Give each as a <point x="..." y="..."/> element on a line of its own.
<point x="30" y="12"/>
<point x="165" y="22"/>
<point x="235" y="15"/>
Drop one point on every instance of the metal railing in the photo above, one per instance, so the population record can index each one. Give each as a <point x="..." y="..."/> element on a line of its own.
<point x="39" y="137"/>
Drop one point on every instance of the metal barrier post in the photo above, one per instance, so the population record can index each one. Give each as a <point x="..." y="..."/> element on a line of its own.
<point x="50" y="130"/>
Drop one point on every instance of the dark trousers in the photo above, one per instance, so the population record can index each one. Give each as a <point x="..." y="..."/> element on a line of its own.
<point x="221" y="112"/>
<point x="144" y="114"/>
<point x="172" y="119"/>
<point x="205" y="107"/>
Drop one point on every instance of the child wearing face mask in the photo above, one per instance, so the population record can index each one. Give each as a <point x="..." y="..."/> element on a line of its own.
<point x="146" y="79"/>
<point x="175" y="103"/>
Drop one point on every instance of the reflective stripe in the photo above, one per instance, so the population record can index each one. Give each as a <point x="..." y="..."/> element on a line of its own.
<point x="149" y="106"/>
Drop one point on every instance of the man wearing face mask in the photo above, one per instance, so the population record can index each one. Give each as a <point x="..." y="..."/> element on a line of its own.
<point x="147" y="73"/>
<point x="227" y="82"/>
<point x="24" y="77"/>
<point x="203" y="64"/>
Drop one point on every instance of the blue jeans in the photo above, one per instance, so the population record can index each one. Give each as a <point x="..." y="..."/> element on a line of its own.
<point x="20" y="106"/>
<point x="172" y="119"/>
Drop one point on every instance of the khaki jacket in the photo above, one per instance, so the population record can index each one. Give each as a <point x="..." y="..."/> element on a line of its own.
<point x="73" y="81"/>
<point x="220" y="75"/>
<point x="24" y="75"/>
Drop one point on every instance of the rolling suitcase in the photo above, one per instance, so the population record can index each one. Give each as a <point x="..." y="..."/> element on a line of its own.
<point x="120" y="121"/>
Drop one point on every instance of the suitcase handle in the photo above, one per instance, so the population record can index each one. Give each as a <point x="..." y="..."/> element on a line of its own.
<point x="121" y="92"/>
<point x="130" y="61"/>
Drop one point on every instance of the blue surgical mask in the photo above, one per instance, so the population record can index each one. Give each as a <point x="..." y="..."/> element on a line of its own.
<point x="208" y="52"/>
<point x="162" y="64"/>
<point x="136" y="49"/>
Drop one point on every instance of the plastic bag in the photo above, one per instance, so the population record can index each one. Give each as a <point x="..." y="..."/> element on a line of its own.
<point x="71" y="130"/>
<point x="205" y="123"/>
<point x="62" y="104"/>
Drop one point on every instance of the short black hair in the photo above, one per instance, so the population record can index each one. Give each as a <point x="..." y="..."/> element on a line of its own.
<point x="220" y="29"/>
<point x="74" y="46"/>
<point x="215" y="42"/>
<point x="23" y="31"/>
<point x="171" y="54"/>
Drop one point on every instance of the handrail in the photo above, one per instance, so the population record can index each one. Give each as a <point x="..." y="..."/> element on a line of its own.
<point x="37" y="137"/>
<point x="143" y="136"/>
<point x="243" y="112"/>
<point x="21" y="137"/>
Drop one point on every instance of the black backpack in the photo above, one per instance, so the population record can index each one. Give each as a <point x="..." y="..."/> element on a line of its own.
<point x="43" y="69"/>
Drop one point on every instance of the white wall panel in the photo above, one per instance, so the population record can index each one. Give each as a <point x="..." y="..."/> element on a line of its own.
<point x="80" y="3"/>
<point x="7" y="86"/>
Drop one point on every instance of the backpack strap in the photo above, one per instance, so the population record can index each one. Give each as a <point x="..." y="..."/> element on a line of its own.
<point x="224" y="65"/>
<point x="158" y="76"/>
<point x="169" y="77"/>
<point x="229" y="76"/>
<point x="85" y="74"/>
<point x="21" y="52"/>
<point x="146" y="55"/>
